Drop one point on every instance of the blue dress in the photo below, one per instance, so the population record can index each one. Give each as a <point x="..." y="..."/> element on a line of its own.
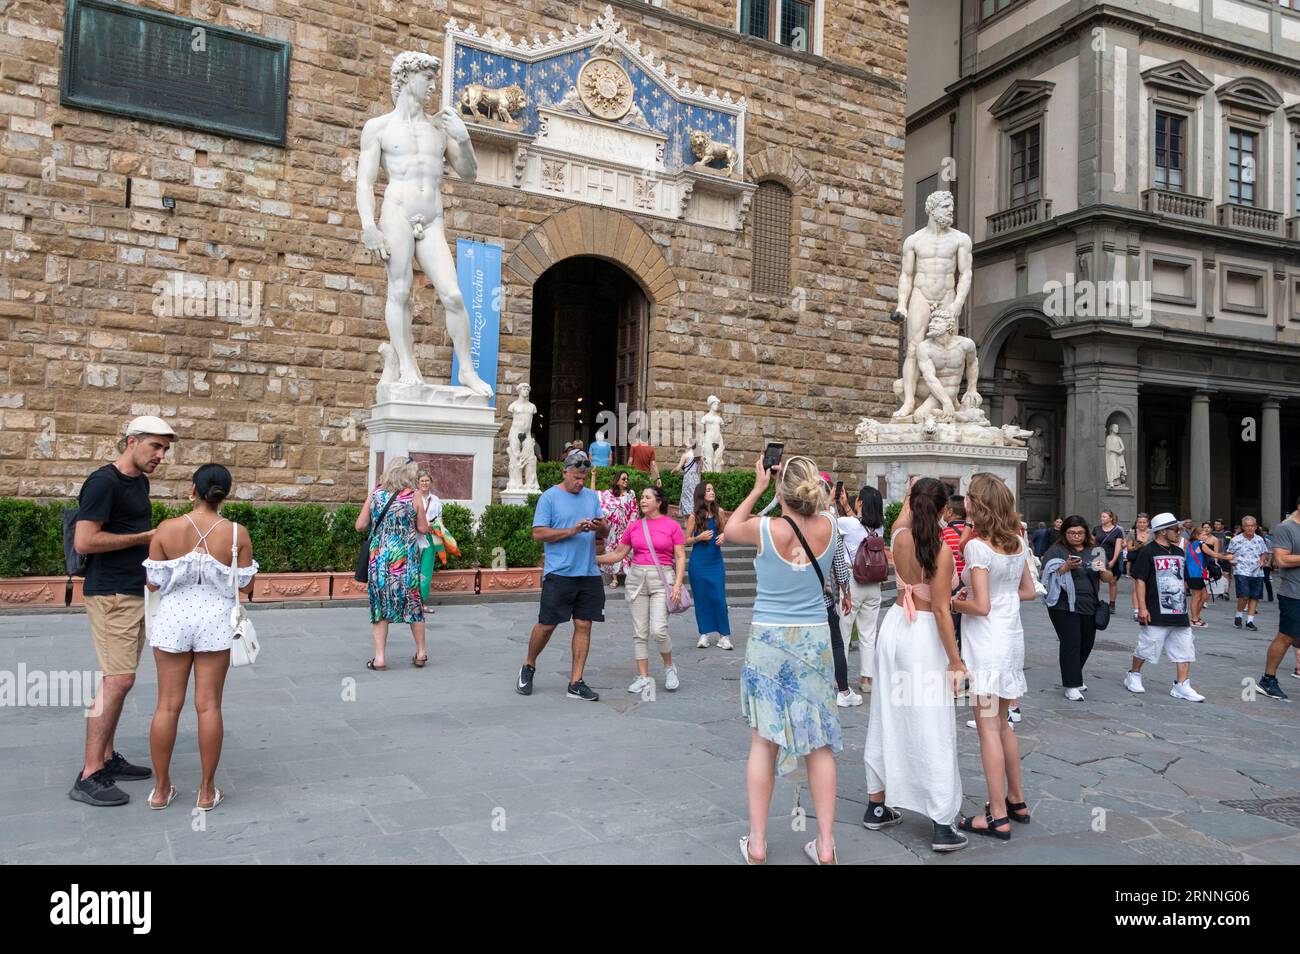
<point x="709" y="583"/>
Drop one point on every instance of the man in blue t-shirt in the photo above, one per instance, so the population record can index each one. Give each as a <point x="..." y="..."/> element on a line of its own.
<point x="568" y="521"/>
<point x="601" y="452"/>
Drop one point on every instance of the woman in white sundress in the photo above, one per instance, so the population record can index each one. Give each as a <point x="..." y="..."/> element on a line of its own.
<point x="911" y="751"/>
<point x="996" y="579"/>
<point x="190" y="565"/>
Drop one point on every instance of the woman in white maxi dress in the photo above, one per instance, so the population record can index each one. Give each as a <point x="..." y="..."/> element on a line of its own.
<point x="911" y="751"/>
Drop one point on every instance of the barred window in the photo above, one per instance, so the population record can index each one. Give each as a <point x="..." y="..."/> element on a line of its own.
<point x="772" y="209"/>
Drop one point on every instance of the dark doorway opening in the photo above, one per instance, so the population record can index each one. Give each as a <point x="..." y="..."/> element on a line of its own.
<point x="588" y="350"/>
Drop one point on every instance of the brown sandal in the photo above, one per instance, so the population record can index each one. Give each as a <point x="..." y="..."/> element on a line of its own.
<point x="419" y="663"/>
<point x="370" y="664"/>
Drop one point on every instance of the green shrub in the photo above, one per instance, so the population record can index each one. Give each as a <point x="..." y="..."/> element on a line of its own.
<point x="891" y="514"/>
<point x="21" y="526"/>
<point x="345" y="540"/>
<point x="510" y="527"/>
<point x="459" y="522"/>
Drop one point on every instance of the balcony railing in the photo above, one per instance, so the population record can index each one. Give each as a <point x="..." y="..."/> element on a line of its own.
<point x="1178" y="204"/>
<point x="1032" y="213"/>
<point x="1249" y="218"/>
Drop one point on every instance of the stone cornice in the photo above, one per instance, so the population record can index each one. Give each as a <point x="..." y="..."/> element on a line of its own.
<point x="1147" y="27"/>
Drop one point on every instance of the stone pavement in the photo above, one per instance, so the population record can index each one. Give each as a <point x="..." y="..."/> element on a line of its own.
<point x="429" y="765"/>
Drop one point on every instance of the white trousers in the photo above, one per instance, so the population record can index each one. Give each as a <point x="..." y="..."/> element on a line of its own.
<point x="866" y="613"/>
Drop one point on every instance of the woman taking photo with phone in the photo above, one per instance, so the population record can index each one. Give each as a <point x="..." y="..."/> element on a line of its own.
<point x="787" y="687"/>
<point x="1072" y="573"/>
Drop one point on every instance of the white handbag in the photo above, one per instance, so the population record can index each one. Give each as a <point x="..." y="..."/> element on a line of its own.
<point x="244" y="649"/>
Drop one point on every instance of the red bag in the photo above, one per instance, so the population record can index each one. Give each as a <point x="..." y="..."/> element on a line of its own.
<point x="869" y="563"/>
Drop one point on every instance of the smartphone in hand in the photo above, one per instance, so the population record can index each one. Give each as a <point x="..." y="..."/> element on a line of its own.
<point x="772" y="455"/>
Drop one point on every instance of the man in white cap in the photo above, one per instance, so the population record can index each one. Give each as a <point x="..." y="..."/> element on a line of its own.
<point x="1160" y="593"/>
<point x="114" y="527"/>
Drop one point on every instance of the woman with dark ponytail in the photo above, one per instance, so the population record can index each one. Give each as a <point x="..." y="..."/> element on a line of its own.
<point x="196" y="562"/>
<point x="911" y="749"/>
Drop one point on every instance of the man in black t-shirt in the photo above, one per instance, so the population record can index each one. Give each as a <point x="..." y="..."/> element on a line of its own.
<point x="1160" y="592"/>
<point x="114" y="527"/>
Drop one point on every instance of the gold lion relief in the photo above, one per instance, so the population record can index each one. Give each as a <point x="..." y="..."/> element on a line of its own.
<point x="707" y="151"/>
<point x="498" y="103"/>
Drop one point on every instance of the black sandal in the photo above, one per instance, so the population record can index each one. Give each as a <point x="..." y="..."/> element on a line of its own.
<point x="1013" y="810"/>
<point x="967" y="824"/>
<point x="370" y="664"/>
<point x="419" y="663"/>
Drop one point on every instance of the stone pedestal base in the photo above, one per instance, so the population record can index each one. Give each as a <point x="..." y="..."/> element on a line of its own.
<point x="894" y="465"/>
<point x="513" y="495"/>
<point x="450" y="434"/>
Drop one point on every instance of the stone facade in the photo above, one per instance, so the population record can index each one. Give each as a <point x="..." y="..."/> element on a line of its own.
<point x="279" y="390"/>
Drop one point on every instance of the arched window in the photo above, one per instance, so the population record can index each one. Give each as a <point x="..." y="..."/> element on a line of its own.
<point x="772" y="206"/>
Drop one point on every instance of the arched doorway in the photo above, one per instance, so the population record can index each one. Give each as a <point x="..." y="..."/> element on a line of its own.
<point x="1028" y="374"/>
<point x="590" y="322"/>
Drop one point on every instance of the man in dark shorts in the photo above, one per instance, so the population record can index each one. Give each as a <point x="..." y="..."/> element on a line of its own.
<point x="568" y="521"/>
<point x="113" y="530"/>
<point x="1286" y="564"/>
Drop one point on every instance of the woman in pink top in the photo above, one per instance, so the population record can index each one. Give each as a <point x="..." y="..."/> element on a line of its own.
<point x="647" y="585"/>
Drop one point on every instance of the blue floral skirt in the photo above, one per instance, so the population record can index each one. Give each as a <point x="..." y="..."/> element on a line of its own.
<point x="787" y="690"/>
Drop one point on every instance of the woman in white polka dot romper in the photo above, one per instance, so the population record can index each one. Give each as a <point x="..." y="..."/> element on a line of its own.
<point x="190" y="565"/>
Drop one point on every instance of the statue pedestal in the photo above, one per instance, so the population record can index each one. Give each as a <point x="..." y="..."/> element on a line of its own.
<point x="450" y="433"/>
<point x="513" y="495"/>
<point x="895" y="464"/>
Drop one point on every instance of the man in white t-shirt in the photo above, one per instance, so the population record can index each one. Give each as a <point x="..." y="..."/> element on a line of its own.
<point x="1248" y="552"/>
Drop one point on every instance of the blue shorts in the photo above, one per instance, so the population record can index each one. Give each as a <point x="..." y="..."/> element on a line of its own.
<point x="1248" y="587"/>
<point x="1288" y="623"/>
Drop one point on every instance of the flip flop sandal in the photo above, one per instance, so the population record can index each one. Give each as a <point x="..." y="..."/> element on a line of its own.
<point x="419" y="663"/>
<point x="744" y="850"/>
<point x="221" y="797"/>
<point x="810" y="850"/>
<point x="370" y="664"/>
<point x="171" y="797"/>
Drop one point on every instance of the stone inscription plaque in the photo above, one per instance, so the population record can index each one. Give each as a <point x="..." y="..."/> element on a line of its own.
<point x="154" y="66"/>
<point x="453" y="474"/>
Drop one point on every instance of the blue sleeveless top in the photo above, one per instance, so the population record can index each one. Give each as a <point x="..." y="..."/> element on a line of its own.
<point x="789" y="594"/>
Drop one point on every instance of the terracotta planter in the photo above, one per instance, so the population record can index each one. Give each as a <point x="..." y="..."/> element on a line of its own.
<point x="453" y="581"/>
<point x="517" y="580"/>
<point x="17" y="592"/>
<point x="78" y="597"/>
<point x="273" y="587"/>
<point x="344" y="586"/>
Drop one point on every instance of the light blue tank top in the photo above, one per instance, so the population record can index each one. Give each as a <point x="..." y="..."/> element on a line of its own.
<point x="789" y="595"/>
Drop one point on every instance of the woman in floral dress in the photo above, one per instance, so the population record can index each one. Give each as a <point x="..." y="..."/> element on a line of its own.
<point x="394" y="577"/>
<point x="619" y="506"/>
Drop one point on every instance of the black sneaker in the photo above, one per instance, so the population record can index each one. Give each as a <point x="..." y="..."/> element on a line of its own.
<point x="946" y="838"/>
<point x="98" y="790"/>
<point x="580" y="690"/>
<point x="1269" y="687"/>
<point x="525" y="684"/>
<point x="879" y="815"/>
<point x="119" y="769"/>
<point x="1250" y="625"/>
<point x="1237" y="622"/>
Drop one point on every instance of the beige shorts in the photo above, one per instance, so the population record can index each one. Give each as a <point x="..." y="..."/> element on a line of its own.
<point x="117" y="625"/>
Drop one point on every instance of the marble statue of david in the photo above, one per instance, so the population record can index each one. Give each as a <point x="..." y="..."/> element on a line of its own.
<point x="412" y="146"/>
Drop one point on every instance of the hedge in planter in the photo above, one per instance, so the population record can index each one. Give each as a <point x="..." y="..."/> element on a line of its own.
<point x="510" y="527"/>
<point x="459" y="522"/>
<point x="31" y="538"/>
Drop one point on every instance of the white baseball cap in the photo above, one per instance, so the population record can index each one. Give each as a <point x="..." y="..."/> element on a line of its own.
<point x="1163" y="521"/>
<point x="148" y="424"/>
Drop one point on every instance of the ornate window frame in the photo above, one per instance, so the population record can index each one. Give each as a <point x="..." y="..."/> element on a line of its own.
<point x="1177" y="88"/>
<point x="1023" y="105"/>
<point x="1249" y="104"/>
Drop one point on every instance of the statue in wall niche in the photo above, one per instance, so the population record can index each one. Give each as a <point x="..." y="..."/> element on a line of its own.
<point x="711" y="445"/>
<point x="521" y="454"/>
<point x="497" y="103"/>
<point x="1160" y="465"/>
<point x="413" y="148"/>
<point x="935" y="275"/>
<point x="942" y="358"/>
<point x="1036" y="463"/>
<point x="1116" y="468"/>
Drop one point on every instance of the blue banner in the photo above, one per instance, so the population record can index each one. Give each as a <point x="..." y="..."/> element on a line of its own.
<point x="478" y="273"/>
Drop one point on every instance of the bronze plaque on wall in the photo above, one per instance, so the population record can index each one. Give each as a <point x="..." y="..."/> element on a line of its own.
<point x="154" y="66"/>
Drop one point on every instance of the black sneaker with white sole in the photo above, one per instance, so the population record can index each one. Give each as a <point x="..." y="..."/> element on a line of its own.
<point x="1268" y="686"/>
<point x="119" y="769"/>
<point x="879" y="815"/>
<point x="525" y="684"/>
<point x="1237" y="622"/>
<point x="947" y="838"/>
<point x="98" y="790"/>
<point x="580" y="690"/>
<point x="1250" y="625"/>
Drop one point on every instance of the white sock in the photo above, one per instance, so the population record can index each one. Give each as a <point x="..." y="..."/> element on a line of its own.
<point x="1238" y="614"/>
<point x="1250" y="619"/>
